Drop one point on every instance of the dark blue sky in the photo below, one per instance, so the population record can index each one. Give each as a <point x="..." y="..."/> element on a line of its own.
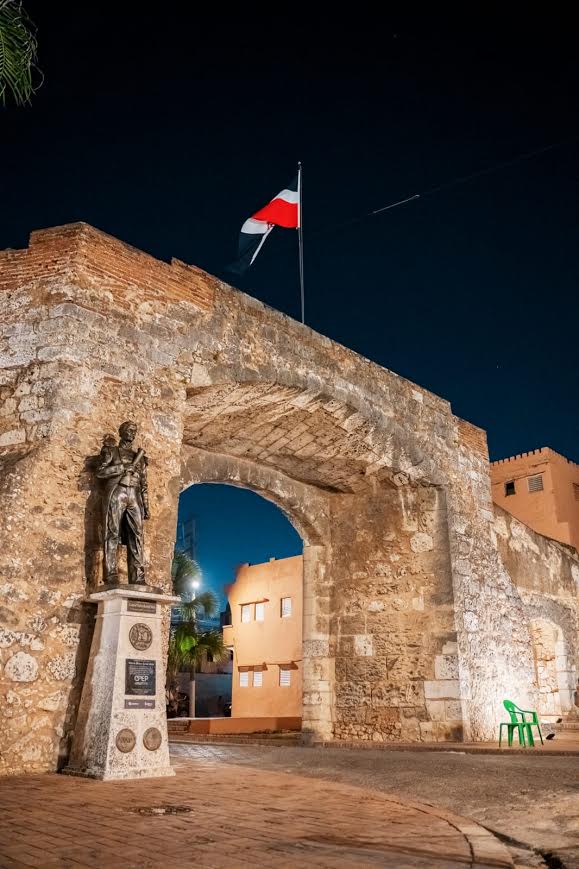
<point x="235" y="526"/>
<point x="168" y="127"/>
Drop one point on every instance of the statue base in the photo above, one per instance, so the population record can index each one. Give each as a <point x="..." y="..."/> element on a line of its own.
<point x="121" y="729"/>
<point x="139" y="587"/>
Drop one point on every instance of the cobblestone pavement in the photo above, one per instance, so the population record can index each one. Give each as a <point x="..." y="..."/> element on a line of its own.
<point x="532" y="799"/>
<point x="238" y="816"/>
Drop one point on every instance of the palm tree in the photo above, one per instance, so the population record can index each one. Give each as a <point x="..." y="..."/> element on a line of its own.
<point x="18" y="52"/>
<point x="188" y="644"/>
<point x="184" y="572"/>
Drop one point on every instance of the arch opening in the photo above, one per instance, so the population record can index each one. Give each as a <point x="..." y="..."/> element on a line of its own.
<point x="249" y="560"/>
<point x="307" y="509"/>
<point x="553" y="670"/>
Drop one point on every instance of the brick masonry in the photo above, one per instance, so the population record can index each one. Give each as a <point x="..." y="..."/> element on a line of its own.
<point x="414" y="625"/>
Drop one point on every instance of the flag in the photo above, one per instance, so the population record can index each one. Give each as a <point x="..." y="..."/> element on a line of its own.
<point x="283" y="210"/>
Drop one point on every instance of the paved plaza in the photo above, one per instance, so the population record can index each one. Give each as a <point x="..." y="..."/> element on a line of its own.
<point x="234" y="806"/>
<point x="239" y="816"/>
<point x="530" y="799"/>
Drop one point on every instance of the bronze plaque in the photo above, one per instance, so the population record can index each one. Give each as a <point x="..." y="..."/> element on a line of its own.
<point x="140" y="636"/>
<point x="152" y="739"/>
<point x="134" y="605"/>
<point x="125" y="740"/>
<point x="140" y="677"/>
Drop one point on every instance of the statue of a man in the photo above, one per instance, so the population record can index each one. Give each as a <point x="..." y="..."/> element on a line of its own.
<point x="125" y="503"/>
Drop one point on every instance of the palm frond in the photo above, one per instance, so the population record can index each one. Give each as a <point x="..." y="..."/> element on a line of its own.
<point x="184" y="570"/>
<point x="206" y="604"/>
<point x="18" y="52"/>
<point x="211" y="642"/>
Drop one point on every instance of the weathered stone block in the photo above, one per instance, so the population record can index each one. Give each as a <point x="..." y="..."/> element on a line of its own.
<point x="380" y="717"/>
<point x="21" y="667"/>
<point x="350" y="625"/>
<point x="15" y="436"/>
<point x="363" y="645"/>
<point x="436" y="709"/>
<point x="421" y="542"/>
<point x="453" y="710"/>
<point x="446" y="667"/>
<point x="442" y="689"/>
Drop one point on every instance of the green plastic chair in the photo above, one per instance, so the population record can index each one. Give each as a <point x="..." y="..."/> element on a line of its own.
<point x="521" y="724"/>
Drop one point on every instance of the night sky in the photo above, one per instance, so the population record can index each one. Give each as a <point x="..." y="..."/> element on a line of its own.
<point x="167" y="128"/>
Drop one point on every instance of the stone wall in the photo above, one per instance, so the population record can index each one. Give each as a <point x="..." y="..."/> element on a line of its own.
<point x="94" y="332"/>
<point x="396" y="651"/>
<point x="546" y="575"/>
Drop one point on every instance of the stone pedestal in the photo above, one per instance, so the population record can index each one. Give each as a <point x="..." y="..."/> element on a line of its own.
<point x="121" y="729"/>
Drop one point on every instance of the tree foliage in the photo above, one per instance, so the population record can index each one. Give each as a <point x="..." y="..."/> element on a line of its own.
<point x="18" y="53"/>
<point x="184" y="571"/>
<point x="188" y="643"/>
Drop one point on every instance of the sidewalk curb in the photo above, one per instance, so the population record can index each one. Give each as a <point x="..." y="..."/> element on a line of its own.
<point x="450" y="748"/>
<point x="487" y="849"/>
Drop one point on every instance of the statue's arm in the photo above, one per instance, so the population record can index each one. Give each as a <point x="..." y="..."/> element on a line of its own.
<point x="145" y="488"/>
<point x="106" y="467"/>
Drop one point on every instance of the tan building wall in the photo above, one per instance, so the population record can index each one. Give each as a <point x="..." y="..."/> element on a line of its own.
<point x="552" y="510"/>
<point x="269" y="645"/>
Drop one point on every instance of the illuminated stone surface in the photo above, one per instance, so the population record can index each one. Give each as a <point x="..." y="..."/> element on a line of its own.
<point x="389" y="490"/>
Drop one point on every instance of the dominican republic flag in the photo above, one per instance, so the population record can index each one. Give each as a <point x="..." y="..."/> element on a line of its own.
<point x="283" y="210"/>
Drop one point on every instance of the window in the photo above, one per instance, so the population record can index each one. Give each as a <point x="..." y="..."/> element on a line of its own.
<point x="510" y="487"/>
<point x="257" y="678"/>
<point x="576" y="491"/>
<point x="285" y="678"/>
<point x="259" y="612"/>
<point x="286" y="607"/>
<point x="245" y="612"/>
<point x="535" y="483"/>
<point x="244" y="679"/>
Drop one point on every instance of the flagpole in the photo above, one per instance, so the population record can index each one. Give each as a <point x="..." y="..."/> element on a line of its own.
<point x="260" y="245"/>
<point x="301" y="243"/>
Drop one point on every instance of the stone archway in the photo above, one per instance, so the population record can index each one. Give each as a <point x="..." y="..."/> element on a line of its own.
<point x="415" y="630"/>
<point x="381" y="656"/>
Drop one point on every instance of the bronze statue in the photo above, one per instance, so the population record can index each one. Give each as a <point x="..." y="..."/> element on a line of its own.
<point x="125" y="503"/>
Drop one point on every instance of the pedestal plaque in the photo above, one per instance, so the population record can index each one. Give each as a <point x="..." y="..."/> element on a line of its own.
<point x="121" y="729"/>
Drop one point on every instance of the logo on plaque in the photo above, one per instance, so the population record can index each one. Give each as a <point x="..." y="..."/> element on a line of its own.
<point x="125" y="740"/>
<point x="140" y="636"/>
<point x="152" y="739"/>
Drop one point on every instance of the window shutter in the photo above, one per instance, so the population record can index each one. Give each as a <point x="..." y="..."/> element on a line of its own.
<point x="285" y="678"/>
<point x="259" y="612"/>
<point x="535" y="483"/>
<point x="245" y="612"/>
<point x="244" y="679"/>
<point x="286" y="607"/>
<point x="257" y="678"/>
